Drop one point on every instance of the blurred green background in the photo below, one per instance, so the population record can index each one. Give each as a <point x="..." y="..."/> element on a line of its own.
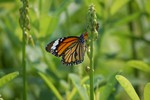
<point x="124" y="35"/>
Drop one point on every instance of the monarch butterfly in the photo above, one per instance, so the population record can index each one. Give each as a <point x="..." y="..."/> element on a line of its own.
<point x="72" y="49"/>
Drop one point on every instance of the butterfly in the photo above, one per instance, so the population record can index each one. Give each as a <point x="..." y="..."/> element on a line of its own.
<point x="72" y="49"/>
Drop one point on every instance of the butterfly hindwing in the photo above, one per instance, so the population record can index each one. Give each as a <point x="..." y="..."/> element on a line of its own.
<point x="74" y="54"/>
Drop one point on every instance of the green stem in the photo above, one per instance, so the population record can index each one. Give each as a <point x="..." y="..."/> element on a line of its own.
<point x="93" y="34"/>
<point x="91" y="70"/>
<point x="133" y="45"/>
<point x="25" y="26"/>
<point x="24" y="67"/>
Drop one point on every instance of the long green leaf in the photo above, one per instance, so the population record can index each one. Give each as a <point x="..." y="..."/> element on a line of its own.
<point x="117" y="4"/>
<point x="109" y="88"/>
<point x="5" y="79"/>
<point x="76" y="81"/>
<point x="147" y="92"/>
<point x="74" y="90"/>
<point x="63" y="6"/>
<point x="147" y="7"/>
<point x="50" y="85"/>
<point x="139" y="65"/>
<point x="127" y="87"/>
<point x="127" y="19"/>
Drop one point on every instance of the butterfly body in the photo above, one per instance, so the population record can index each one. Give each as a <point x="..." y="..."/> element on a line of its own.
<point x="72" y="49"/>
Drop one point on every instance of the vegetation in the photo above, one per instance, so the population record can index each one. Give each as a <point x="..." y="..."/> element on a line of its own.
<point x="120" y="50"/>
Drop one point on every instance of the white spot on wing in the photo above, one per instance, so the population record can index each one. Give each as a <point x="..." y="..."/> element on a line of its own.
<point x="55" y="44"/>
<point x="61" y="39"/>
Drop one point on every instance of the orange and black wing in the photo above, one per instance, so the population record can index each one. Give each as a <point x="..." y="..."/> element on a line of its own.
<point x="74" y="54"/>
<point x="59" y="46"/>
<point x="72" y="49"/>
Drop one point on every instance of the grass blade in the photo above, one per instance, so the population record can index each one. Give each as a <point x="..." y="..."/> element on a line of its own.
<point x="76" y="82"/>
<point x="109" y="88"/>
<point x="117" y="5"/>
<point x="5" y="79"/>
<point x="50" y="85"/>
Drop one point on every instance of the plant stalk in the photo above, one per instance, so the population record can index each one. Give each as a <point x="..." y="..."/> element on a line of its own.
<point x="25" y="26"/>
<point x="24" y="67"/>
<point x="133" y="45"/>
<point x="91" y="70"/>
<point x="93" y="34"/>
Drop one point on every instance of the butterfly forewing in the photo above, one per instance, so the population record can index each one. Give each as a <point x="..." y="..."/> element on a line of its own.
<point x="58" y="46"/>
<point x="52" y="47"/>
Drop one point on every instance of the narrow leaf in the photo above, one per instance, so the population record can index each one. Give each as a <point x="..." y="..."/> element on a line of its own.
<point x="127" y="87"/>
<point x="139" y="65"/>
<point x="5" y="79"/>
<point x="50" y="85"/>
<point x="109" y="88"/>
<point x="147" y="92"/>
<point x="74" y="90"/>
<point x="127" y="19"/>
<point x="76" y="82"/>
<point x="117" y="4"/>
<point x="63" y="6"/>
<point x="98" y="81"/>
<point x="147" y="6"/>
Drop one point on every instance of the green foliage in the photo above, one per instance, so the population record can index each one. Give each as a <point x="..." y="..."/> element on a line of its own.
<point x="127" y="19"/>
<point x="128" y="87"/>
<point x="139" y="65"/>
<point x="109" y="88"/>
<point x="51" y="85"/>
<point x="147" y="7"/>
<point x="125" y="83"/>
<point x="7" y="78"/>
<point x="116" y="5"/>
<point x="146" y="91"/>
<point x="81" y="90"/>
<point x="77" y="86"/>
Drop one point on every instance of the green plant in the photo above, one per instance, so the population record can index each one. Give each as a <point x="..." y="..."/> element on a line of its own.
<point x="128" y="87"/>
<point x="93" y="34"/>
<point x="125" y="83"/>
<point x="5" y="79"/>
<point x="25" y="26"/>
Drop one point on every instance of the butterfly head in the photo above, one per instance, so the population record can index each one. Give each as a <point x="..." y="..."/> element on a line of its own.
<point x="83" y="37"/>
